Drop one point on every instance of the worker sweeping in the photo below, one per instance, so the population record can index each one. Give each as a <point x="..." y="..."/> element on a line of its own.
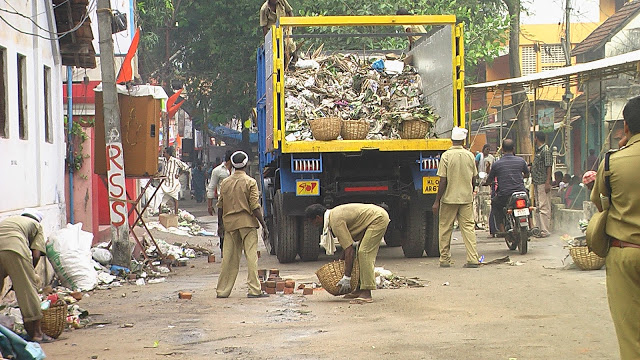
<point x="359" y="228"/>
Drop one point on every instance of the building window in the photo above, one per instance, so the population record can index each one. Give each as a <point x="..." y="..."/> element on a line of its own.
<point x="552" y="54"/>
<point x="22" y="97"/>
<point x="528" y="60"/>
<point x="48" y="134"/>
<point x="4" y="124"/>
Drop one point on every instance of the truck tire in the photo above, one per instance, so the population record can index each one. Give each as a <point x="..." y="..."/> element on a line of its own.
<point x="413" y="245"/>
<point x="287" y="228"/>
<point x="432" y="241"/>
<point x="309" y="245"/>
<point x="393" y="237"/>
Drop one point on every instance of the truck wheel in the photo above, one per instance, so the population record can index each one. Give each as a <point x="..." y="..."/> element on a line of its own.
<point x="393" y="237"/>
<point x="309" y="246"/>
<point x="432" y="241"/>
<point x="413" y="245"/>
<point x="287" y="228"/>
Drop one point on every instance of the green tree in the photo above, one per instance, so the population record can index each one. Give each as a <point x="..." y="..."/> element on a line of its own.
<point x="214" y="45"/>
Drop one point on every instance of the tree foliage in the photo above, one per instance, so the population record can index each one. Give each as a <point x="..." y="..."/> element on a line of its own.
<point x="213" y="47"/>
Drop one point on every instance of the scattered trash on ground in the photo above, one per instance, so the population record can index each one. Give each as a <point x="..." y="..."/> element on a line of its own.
<point x="385" y="279"/>
<point x="502" y="260"/>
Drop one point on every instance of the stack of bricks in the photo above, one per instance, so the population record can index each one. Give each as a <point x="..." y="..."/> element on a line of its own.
<point x="274" y="284"/>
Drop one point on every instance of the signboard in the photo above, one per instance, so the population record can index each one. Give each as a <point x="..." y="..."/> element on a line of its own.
<point x="545" y="119"/>
<point x="430" y="184"/>
<point x="308" y="187"/>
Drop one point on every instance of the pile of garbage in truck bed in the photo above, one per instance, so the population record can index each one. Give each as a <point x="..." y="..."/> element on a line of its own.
<point x="381" y="90"/>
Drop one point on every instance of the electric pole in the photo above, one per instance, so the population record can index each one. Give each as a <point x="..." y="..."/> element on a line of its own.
<point x="120" y="246"/>
<point x="567" y="91"/>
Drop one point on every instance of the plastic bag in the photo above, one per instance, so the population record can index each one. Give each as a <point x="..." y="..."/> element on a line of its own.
<point x="69" y="250"/>
<point x="103" y="256"/>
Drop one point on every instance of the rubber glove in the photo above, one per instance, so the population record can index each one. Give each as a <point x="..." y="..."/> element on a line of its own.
<point x="344" y="284"/>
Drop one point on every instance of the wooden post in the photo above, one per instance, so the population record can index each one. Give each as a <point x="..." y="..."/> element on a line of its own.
<point x="121" y="248"/>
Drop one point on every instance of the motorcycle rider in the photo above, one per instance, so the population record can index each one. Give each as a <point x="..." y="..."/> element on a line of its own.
<point x="510" y="171"/>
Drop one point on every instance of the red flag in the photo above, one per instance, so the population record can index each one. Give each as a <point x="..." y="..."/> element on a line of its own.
<point x="172" y="99"/>
<point x="126" y="72"/>
<point x="174" y="109"/>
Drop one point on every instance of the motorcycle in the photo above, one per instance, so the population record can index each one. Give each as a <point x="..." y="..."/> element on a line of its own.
<point x="518" y="222"/>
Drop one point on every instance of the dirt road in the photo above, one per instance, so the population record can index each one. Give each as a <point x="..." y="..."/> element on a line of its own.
<point x="536" y="310"/>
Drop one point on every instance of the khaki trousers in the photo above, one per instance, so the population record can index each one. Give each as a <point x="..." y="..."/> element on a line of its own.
<point x="623" y="291"/>
<point x="464" y="214"/>
<point x="368" y="250"/>
<point x="543" y="203"/>
<point x="235" y="241"/>
<point x="23" y="278"/>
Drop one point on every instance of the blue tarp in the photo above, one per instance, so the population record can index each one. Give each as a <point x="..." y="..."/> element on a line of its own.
<point x="225" y="132"/>
<point x="13" y="345"/>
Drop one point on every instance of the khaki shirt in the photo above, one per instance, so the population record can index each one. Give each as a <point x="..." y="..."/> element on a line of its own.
<point x="238" y="198"/>
<point x="623" y="222"/>
<point x="349" y="222"/>
<point x="269" y="17"/>
<point x="459" y="167"/>
<point x="21" y="234"/>
<point x="415" y="29"/>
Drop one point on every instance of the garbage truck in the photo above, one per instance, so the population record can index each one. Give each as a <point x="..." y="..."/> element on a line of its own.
<point x="384" y="168"/>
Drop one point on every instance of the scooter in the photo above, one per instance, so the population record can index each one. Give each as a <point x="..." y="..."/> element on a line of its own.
<point x="518" y="222"/>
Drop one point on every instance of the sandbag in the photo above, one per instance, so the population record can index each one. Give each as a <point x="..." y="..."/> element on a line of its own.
<point x="69" y="251"/>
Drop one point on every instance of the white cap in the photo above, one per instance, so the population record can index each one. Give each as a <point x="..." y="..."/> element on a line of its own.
<point x="458" y="133"/>
<point x="33" y="213"/>
<point x="241" y="164"/>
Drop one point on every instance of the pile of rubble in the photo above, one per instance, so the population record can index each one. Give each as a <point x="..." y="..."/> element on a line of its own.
<point x="385" y="279"/>
<point x="383" y="91"/>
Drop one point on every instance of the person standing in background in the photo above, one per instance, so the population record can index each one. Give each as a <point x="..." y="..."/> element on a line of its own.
<point x="171" y="186"/>
<point x="541" y="177"/>
<point x="458" y="173"/>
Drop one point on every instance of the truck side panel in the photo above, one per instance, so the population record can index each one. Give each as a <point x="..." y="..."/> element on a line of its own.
<point x="432" y="57"/>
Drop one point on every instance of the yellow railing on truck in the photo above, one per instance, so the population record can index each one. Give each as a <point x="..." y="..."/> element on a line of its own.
<point x="358" y="145"/>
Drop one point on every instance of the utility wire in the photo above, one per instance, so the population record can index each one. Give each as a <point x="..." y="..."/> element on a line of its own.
<point x="58" y="36"/>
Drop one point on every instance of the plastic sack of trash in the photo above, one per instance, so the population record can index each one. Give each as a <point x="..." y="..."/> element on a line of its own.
<point x="69" y="251"/>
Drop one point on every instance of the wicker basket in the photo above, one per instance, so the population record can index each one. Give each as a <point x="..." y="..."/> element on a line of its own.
<point x="584" y="259"/>
<point x="354" y="129"/>
<point x="414" y="129"/>
<point x="54" y="319"/>
<point x="329" y="275"/>
<point x="325" y="129"/>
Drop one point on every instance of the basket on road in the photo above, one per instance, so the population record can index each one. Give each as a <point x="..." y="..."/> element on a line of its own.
<point x="54" y="319"/>
<point x="329" y="275"/>
<point x="584" y="259"/>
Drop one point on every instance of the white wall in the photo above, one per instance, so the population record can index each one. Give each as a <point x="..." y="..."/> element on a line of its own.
<point x="32" y="169"/>
<point x="626" y="40"/>
<point x="552" y="11"/>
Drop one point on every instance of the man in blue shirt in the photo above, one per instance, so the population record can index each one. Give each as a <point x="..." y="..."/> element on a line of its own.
<point x="510" y="171"/>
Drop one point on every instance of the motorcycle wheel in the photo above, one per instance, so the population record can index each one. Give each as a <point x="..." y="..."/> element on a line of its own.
<point x="524" y="240"/>
<point x="512" y="243"/>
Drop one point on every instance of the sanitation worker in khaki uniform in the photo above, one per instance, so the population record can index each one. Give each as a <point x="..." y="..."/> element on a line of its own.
<point x="21" y="244"/>
<point x="359" y="229"/>
<point x="623" y="227"/>
<point x="238" y="218"/>
<point x="457" y="173"/>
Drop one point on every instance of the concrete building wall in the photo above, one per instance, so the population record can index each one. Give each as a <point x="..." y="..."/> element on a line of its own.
<point x="32" y="167"/>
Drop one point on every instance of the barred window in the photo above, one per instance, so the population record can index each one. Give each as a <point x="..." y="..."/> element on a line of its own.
<point x="528" y="60"/>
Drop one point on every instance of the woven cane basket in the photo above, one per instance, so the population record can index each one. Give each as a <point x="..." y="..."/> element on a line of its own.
<point x="325" y="129"/>
<point x="329" y="275"/>
<point x="54" y="319"/>
<point x="584" y="259"/>
<point x="354" y="129"/>
<point x="414" y="129"/>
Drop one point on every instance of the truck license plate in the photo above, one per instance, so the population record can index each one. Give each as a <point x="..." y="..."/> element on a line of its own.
<point x="308" y="187"/>
<point x="430" y="184"/>
<point x="521" y="212"/>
